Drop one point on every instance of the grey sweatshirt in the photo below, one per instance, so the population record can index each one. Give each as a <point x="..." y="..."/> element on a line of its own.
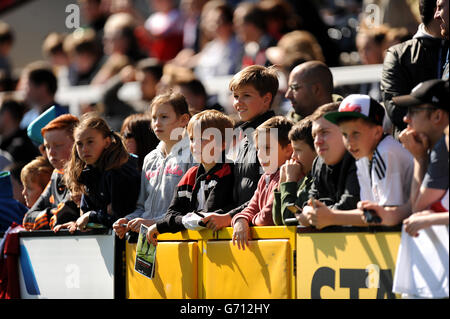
<point x="159" y="179"/>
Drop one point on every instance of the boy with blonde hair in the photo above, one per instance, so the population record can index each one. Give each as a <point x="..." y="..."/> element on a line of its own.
<point x="204" y="187"/>
<point x="35" y="176"/>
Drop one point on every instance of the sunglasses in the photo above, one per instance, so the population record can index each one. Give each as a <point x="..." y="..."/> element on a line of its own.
<point x="416" y="109"/>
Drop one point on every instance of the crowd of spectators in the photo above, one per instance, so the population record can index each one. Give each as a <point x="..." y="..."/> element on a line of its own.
<point x="337" y="155"/>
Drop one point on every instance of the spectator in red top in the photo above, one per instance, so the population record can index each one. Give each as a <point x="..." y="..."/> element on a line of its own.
<point x="273" y="150"/>
<point x="164" y="36"/>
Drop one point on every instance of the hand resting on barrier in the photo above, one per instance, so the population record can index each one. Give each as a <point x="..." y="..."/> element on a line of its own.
<point x="216" y="221"/>
<point x="241" y="233"/>
<point x="318" y="214"/>
<point x="390" y="216"/>
<point x="424" y="219"/>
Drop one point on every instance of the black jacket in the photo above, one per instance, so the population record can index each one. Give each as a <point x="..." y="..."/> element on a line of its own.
<point x="407" y="64"/>
<point x="247" y="170"/>
<point x="218" y="185"/>
<point x="116" y="187"/>
<point x="337" y="185"/>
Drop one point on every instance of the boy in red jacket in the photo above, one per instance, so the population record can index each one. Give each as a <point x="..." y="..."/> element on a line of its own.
<point x="205" y="187"/>
<point x="273" y="150"/>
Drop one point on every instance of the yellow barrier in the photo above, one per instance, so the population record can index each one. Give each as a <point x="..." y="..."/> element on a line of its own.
<point x="342" y="265"/>
<point x="281" y="263"/>
<point x="206" y="265"/>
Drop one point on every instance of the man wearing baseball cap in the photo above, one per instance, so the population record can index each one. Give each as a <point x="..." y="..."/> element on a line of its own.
<point x="427" y="117"/>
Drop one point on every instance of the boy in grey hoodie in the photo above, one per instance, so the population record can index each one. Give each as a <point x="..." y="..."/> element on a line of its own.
<point x="163" y="167"/>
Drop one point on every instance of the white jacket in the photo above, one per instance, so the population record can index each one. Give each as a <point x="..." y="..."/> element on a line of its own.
<point x="159" y="179"/>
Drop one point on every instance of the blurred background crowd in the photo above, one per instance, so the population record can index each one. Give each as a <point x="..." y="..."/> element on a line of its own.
<point x="184" y="45"/>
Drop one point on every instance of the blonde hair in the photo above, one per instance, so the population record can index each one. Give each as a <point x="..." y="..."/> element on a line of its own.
<point x="303" y="43"/>
<point x="39" y="171"/>
<point x="210" y="118"/>
<point x="112" y="157"/>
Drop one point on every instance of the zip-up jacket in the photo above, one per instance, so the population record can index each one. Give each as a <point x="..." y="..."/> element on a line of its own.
<point x="259" y="210"/>
<point x="217" y="186"/>
<point x="117" y="188"/>
<point x="247" y="170"/>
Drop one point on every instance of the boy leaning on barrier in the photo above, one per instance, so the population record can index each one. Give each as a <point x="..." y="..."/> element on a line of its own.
<point x="384" y="167"/>
<point x="273" y="150"/>
<point x="205" y="187"/>
<point x="335" y="182"/>
<point x="295" y="175"/>
<point x="427" y="118"/>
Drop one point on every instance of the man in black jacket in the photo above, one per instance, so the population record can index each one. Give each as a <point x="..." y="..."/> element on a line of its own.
<point x="411" y="62"/>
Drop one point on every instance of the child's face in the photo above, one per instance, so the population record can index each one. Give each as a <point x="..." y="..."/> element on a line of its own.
<point x="206" y="148"/>
<point x="31" y="192"/>
<point x="58" y="147"/>
<point x="249" y="104"/>
<point x="360" y="138"/>
<point x="304" y="154"/>
<point x="165" y="120"/>
<point x="328" y="141"/>
<point x="90" y="145"/>
<point x="271" y="154"/>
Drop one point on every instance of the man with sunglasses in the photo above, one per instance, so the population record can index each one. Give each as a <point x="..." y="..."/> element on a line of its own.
<point x="426" y="120"/>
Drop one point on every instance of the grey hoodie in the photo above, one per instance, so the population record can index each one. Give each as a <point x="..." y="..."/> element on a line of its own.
<point x="159" y="179"/>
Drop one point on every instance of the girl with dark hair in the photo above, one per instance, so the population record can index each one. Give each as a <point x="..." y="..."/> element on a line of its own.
<point x="139" y="137"/>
